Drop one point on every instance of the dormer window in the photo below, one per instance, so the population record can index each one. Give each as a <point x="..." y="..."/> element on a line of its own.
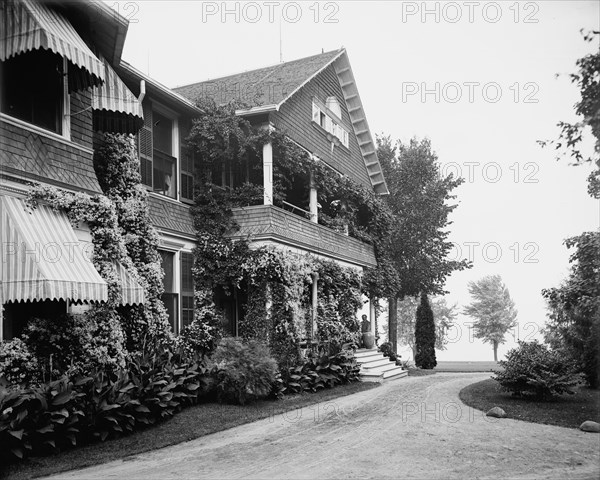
<point x="330" y="120"/>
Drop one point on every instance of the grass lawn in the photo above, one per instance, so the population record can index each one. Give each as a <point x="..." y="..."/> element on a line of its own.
<point x="564" y="411"/>
<point x="190" y="423"/>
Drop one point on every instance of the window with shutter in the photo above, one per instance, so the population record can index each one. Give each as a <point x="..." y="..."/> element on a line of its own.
<point x="316" y="113"/>
<point x="187" y="289"/>
<point x="187" y="167"/>
<point x="145" y="146"/>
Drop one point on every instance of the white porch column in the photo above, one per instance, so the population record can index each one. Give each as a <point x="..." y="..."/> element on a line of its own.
<point x="268" y="173"/>
<point x="372" y="314"/>
<point x="313" y="200"/>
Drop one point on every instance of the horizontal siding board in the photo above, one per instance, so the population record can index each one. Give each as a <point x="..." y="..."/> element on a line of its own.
<point x="295" y="119"/>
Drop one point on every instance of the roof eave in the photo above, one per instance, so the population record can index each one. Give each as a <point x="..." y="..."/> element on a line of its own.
<point x="169" y="95"/>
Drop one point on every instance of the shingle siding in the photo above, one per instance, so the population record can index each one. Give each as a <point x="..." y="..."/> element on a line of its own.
<point x="260" y="223"/>
<point x="29" y="155"/>
<point x="295" y="119"/>
<point x="171" y="216"/>
<point x="81" y="118"/>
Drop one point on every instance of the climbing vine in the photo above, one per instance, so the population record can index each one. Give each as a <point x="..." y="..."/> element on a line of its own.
<point x="121" y="231"/>
<point x="277" y="283"/>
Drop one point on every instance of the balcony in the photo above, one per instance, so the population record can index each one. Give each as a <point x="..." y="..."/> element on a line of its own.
<point x="270" y="224"/>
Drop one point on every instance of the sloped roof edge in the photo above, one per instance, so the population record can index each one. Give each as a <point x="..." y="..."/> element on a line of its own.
<point x="357" y="115"/>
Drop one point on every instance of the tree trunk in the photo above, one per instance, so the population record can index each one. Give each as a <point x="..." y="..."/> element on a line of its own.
<point x="495" y="344"/>
<point x="393" y="322"/>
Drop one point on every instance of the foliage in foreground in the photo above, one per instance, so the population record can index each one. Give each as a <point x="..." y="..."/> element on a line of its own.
<point x="573" y="326"/>
<point x="77" y="409"/>
<point x="81" y="409"/>
<point x="532" y="369"/>
<point x="243" y="371"/>
<point x="321" y="371"/>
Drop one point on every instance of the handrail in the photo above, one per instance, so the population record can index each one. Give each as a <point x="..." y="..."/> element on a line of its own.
<point x="294" y="207"/>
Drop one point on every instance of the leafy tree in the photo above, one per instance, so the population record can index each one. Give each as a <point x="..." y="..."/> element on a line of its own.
<point x="574" y="320"/>
<point x="443" y="315"/>
<point x="587" y="79"/>
<point x="425" y="335"/>
<point x="493" y="310"/>
<point x="418" y="244"/>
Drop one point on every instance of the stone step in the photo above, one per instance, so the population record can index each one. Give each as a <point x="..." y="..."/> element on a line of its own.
<point x="384" y="377"/>
<point x="380" y="368"/>
<point x="395" y="374"/>
<point x="364" y="353"/>
<point x="373" y="362"/>
<point x="374" y="367"/>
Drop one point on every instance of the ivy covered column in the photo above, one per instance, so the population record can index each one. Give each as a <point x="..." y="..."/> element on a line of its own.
<point x="314" y="303"/>
<point x="268" y="173"/>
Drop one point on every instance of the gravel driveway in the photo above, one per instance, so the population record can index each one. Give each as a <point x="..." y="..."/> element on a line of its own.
<point x="415" y="427"/>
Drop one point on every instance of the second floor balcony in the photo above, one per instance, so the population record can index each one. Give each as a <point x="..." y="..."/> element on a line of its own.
<point x="269" y="224"/>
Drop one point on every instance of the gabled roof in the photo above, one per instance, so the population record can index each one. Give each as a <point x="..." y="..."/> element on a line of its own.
<point x="269" y="88"/>
<point x="262" y="87"/>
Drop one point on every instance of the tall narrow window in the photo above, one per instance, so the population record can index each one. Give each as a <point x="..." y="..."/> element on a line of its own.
<point x="169" y="297"/>
<point x="187" y="289"/>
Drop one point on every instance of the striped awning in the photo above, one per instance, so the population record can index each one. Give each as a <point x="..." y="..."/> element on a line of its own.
<point x="115" y="108"/>
<point x="131" y="291"/>
<point x="28" y="25"/>
<point x="42" y="258"/>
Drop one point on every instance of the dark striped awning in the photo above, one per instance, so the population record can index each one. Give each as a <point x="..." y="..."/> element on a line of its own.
<point x="28" y="25"/>
<point x="115" y="108"/>
<point x="42" y="258"/>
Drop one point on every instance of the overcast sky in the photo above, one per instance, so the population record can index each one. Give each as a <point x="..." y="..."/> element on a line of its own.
<point x="477" y="78"/>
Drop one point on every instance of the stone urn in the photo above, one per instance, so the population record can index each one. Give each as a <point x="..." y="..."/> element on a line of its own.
<point x="368" y="340"/>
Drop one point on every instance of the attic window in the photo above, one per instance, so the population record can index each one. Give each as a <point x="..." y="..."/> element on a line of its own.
<point x="325" y="118"/>
<point x="332" y="104"/>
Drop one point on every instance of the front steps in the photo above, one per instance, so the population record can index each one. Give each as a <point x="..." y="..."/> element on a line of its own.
<point x="374" y="367"/>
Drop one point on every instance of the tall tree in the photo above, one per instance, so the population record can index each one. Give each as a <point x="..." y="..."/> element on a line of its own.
<point x="420" y="200"/>
<point x="425" y="335"/>
<point x="573" y="325"/>
<point x="493" y="310"/>
<point x="443" y="316"/>
<point x="574" y="321"/>
<point x="571" y="136"/>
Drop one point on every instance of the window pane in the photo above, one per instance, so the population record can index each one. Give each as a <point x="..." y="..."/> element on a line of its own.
<point x="167" y="263"/>
<point x="170" y="302"/>
<point x="187" y="279"/>
<point x="32" y="89"/>
<point x="164" y="177"/>
<point x="162" y="133"/>
<point x="187" y="309"/>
